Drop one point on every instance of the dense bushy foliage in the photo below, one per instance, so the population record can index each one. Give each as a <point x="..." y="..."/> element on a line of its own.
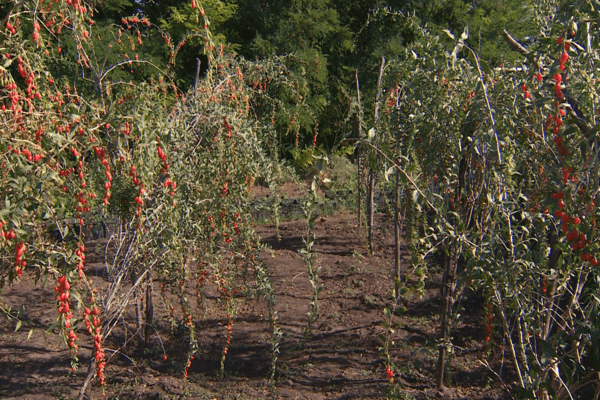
<point x="503" y="162"/>
<point x="498" y="165"/>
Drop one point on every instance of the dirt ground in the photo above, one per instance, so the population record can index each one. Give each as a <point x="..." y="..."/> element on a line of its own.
<point x="342" y="359"/>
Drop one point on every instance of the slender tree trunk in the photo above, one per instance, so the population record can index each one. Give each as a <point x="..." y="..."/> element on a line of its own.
<point x="358" y="150"/>
<point x="371" y="208"/>
<point x="88" y="379"/>
<point x="359" y="188"/>
<point x="138" y="309"/>
<point x="372" y="172"/>
<point x="448" y="292"/>
<point x="198" y="64"/>
<point x="397" y="248"/>
<point x="149" y="312"/>
<point x="139" y="315"/>
<point x="547" y="301"/>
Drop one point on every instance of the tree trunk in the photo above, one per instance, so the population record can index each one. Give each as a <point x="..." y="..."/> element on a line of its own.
<point x="88" y="379"/>
<point x="358" y="150"/>
<point x="397" y="248"/>
<point x="149" y="312"/>
<point x="198" y="64"/>
<point x="359" y="188"/>
<point x="372" y="172"/>
<point x="448" y="292"/>
<point x="371" y="208"/>
<point x="139" y="316"/>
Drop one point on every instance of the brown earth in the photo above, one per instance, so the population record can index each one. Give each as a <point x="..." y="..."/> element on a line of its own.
<point x="341" y="360"/>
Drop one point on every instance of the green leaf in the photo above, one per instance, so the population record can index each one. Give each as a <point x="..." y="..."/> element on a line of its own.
<point x="450" y="35"/>
<point x="465" y="34"/>
<point x="388" y="172"/>
<point x="401" y="310"/>
<point x="371" y="135"/>
<point x="415" y="196"/>
<point x="387" y="312"/>
<point x="485" y="67"/>
<point x="18" y="325"/>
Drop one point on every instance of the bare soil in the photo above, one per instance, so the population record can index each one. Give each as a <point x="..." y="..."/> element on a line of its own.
<point x="341" y="360"/>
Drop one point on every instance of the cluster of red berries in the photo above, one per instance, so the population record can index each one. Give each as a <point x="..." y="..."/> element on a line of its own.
<point x="19" y="262"/>
<point x="99" y="356"/>
<point x="101" y="155"/>
<point x="30" y="157"/>
<point x="526" y="93"/>
<point x="224" y="189"/>
<point x="92" y="321"/>
<point x="126" y="129"/>
<point x="259" y="85"/>
<point x="139" y="201"/>
<point x="13" y="95"/>
<point x="554" y="124"/>
<point x="133" y="175"/>
<point x="389" y="373"/>
<point x="64" y="308"/>
<point x="570" y="225"/>
<point x="163" y="157"/>
<point x="62" y="295"/>
<point x="187" y="366"/>
<point x="393" y="97"/>
<point x="227" y="126"/>
<point x="4" y="234"/>
<point x="229" y="329"/>
<point x="36" y="34"/>
<point x="172" y="185"/>
<point x="80" y="253"/>
<point x="544" y="288"/>
<point x="564" y="57"/>
<point x="10" y="27"/>
<point x="577" y="239"/>
<point x="135" y="20"/>
<point x="82" y="202"/>
<point x="92" y="324"/>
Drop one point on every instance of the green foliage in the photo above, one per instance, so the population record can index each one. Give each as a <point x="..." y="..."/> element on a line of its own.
<point x="311" y="214"/>
<point x="501" y="161"/>
<point x="80" y="139"/>
<point x="341" y="173"/>
<point x="498" y="165"/>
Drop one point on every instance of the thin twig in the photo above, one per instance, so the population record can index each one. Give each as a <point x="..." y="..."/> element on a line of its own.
<point x="487" y="101"/>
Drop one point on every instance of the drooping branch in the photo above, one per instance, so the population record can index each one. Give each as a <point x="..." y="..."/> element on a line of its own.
<point x="514" y="44"/>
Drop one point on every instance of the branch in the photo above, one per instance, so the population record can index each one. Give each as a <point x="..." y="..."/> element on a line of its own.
<point x="403" y="172"/>
<point x="487" y="102"/>
<point x="514" y="44"/>
<point x="90" y="375"/>
<point x="3" y="23"/>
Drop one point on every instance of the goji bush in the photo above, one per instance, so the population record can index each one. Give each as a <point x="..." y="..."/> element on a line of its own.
<point x="500" y="166"/>
<point x="173" y="170"/>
